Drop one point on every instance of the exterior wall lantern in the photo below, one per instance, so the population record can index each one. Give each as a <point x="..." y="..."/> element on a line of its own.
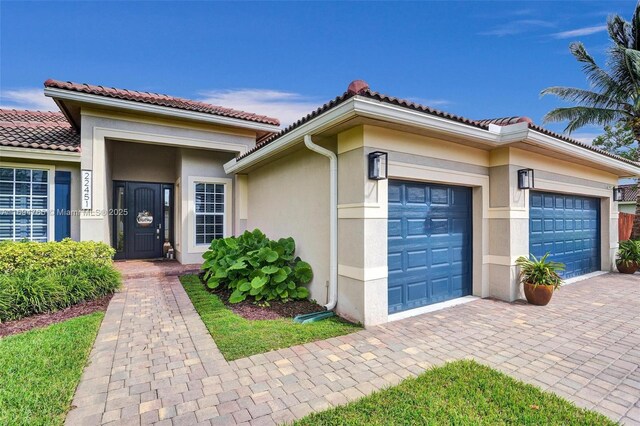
<point x="617" y="193"/>
<point x="525" y="179"/>
<point x="378" y="165"/>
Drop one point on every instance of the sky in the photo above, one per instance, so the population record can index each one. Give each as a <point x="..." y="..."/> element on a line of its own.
<point x="478" y="59"/>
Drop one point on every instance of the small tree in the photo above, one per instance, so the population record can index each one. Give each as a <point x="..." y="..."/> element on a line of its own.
<point x="618" y="139"/>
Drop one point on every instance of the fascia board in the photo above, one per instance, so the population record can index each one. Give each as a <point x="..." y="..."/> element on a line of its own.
<point x="337" y="115"/>
<point x="157" y="109"/>
<point x="540" y="139"/>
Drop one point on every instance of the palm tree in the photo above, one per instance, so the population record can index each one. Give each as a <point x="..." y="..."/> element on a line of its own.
<point x="614" y="93"/>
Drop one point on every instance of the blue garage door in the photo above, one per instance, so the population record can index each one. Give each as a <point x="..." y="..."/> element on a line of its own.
<point x="429" y="244"/>
<point x="567" y="227"/>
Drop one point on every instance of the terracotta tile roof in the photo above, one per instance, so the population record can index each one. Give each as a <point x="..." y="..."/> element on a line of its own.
<point x="161" y="100"/>
<point x="505" y="121"/>
<point x="36" y="129"/>
<point x="629" y="192"/>
<point x="361" y="89"/>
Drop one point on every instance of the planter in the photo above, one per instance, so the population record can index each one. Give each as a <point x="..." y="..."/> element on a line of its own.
<point x="629" y="268"/>
<point x="538" y="295"/>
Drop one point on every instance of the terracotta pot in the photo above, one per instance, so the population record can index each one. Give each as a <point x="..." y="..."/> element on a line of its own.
<point x="629" y="268"/>
<point x="538" y="295"/>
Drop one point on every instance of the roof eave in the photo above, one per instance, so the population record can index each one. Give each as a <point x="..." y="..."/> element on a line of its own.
<point x="623" y="169"/>
<point x="68" y="95"/>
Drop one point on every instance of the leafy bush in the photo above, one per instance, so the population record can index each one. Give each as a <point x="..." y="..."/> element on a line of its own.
<point x="628" y="252"/>
<point x="253" y="265"/>
<point x="36" y="256"/>
<point x="30" y="291"/>
<point x="44" y="277"/>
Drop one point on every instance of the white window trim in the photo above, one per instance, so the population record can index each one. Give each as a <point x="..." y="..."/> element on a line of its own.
<point x="51" y="191"/>
<point x="191" y="210"/>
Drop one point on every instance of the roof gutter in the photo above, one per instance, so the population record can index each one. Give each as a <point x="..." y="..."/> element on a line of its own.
<point x="333" y="219"/>
<point x="68" y="95"/>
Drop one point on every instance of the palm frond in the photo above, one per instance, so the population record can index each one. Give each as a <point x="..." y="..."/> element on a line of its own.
<point x="635" y="29"/>
<point x="580" y="116"/>
<point x="625" y="69"/>
<point x="599" y="78"/>
<point x="584" y="97"/>
<point x="619" y="31"/>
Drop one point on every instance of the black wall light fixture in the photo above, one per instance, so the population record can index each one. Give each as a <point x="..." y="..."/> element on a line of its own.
<point x="617" y="193"/>
<point x="525" y="178"/>
<point x="378" y="165"/>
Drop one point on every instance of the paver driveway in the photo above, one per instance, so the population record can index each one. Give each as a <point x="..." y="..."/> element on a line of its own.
<point x="154" y="360"/>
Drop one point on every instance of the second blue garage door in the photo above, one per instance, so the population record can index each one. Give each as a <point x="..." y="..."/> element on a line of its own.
<point x="429" y="244"/>
<point x="568" y="228"/>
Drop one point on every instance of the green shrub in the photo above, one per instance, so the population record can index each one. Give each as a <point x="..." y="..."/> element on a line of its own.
<point x="29" y="291"/>
<point x="253" y="265"/>
<point x="36" y="256"/>
<point x="45" y="277"/>
<point x="628" y="252"/>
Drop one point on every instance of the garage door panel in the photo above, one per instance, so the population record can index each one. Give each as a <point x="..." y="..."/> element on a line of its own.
<point x="429" y="244"/>
<point x="567" y="227"/>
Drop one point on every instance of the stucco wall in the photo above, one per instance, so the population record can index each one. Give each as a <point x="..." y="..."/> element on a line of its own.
<point x="123" y="158"/>
<point x="195" y="164"/>
<point x="290" y="198"/>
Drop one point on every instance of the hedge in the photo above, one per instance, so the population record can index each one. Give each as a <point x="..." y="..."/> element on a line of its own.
<point x="35" y="256"/>
<point x="45" y="277"/>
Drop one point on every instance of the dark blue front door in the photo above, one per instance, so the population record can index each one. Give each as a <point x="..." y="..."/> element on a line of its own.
<point x="567" y="227"/>
<point x="429" y="244"/>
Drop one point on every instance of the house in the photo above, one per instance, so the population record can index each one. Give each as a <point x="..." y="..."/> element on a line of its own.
<point x="629" y="198"/>
<point x="398" y="207"/>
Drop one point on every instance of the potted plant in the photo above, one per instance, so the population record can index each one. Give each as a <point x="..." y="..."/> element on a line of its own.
<point x="539" y="278"/>
<point x="628" y="258"/>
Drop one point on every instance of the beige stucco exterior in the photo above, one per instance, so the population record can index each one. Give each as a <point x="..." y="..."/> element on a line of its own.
<point x="500" y="211"/>
<point x="289" y="197"/>
<point x="286" y="191"/>
<point x="119" y="147"/>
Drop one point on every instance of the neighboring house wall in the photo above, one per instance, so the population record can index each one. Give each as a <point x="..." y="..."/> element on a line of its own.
<point x="627" y="208"/>
<point x="289" y="197"/>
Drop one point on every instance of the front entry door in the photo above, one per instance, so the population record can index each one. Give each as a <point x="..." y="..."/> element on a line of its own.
<point x="143" y="236"/>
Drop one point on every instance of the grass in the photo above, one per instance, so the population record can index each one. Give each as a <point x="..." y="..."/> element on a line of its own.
<point x="459" y="393"/>
<point x="237" y="337"/>
<point x="40" y="369"/>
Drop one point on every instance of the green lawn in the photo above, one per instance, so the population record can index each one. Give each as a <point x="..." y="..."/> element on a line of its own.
<point x="40" y="369"/>
<point x="238" y="337"/>
<point x="459" y="393"/>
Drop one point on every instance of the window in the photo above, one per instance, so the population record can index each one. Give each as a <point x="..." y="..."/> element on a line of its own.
<point x="210" y="212"/>
<point x="24" y="204"/>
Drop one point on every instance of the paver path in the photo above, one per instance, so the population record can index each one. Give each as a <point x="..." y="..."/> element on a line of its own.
<point x="154" y="361"/>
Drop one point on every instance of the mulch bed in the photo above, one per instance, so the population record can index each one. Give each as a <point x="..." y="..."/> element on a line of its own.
<point x="42" y="320"/>
<point x="276" y="310"/>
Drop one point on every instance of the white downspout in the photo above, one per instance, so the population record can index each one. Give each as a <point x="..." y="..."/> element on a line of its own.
<point x="333" y="219"/>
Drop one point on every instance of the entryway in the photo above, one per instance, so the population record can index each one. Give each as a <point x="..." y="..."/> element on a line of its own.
<point x="143" y="219"/>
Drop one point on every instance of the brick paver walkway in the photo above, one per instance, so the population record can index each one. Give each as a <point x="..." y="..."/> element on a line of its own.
<point x="154" y="361"/>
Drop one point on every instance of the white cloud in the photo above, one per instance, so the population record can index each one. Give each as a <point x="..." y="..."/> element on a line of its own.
<point x="585" y="137"/>
<point x="578" y="32"/>
<point x="26" y="99"/>
<point x="517" y="27"/>
<point x="431" y="102"/>
<point x="285" y="106"/>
